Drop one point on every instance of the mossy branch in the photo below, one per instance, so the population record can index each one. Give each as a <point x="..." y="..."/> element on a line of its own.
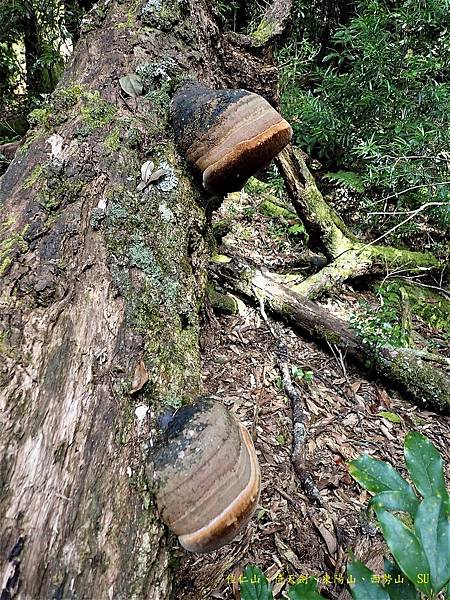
<point x="348" y="256"/>
<point x="404" y="369"/>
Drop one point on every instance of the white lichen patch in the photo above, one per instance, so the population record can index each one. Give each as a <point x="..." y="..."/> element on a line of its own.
<point x="169" y="182"/>
<point x="165" y="212"/>
<point x="56" y="141"/>
<point x="141" y="412"/>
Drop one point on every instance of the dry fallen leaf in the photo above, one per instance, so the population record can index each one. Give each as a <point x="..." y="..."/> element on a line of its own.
<point x="131" y="84"/>
<point x="140" y="377"/>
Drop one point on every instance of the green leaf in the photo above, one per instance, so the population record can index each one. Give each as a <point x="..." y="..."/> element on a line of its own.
<point x="389" y="416"/>
<point x="305" y="591"/>
<point x="395" y="501"/>
<point x="255" y="585"/>
<point x="131" y="84"/>
<point x="433" y="530"/>
<point x="364" y="588"/>
<point x="377" y="476"/>
<point x="424" y="465"/>
<point x="406" y="549"/>
<point x="349" y="179"/>
<point x="399" y="588"/>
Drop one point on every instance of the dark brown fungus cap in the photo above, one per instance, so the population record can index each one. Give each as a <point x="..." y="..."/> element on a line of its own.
<point x="227" y="135"/>
<point x="207" y="476"/>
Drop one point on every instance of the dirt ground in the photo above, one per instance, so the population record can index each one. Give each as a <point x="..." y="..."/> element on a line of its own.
<point x="289" y="536"/>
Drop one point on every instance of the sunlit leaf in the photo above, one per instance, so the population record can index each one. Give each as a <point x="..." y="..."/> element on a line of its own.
<point x="424" y="465"/>
<point x="377" y="476"/>
<point x="406" y="549"/>
<point x="395" y="501"/>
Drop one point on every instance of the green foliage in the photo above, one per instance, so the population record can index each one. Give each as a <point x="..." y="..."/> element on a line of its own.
<point x="430" y="307"/>
<point x="364" y="588"/>
<point x="304" y="591"/>
<point x="421" y="547"/>
<point x="36" y="39"/>
<point x="348" y="179"/>
<point x="300" y="374"/>
<point x="255" y="585"/>
<point x="419" y="542"/>
<point x="390" y="416"/>
<point x="424" y="465"/>
<point x="381" y="325"/>
<point x="375" y="100"/>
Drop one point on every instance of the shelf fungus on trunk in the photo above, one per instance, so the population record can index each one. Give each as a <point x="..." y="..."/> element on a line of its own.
<point x="226" y="135"/>
<point x="206" y="476"/>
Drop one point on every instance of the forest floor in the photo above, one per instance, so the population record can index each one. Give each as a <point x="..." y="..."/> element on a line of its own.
<point x="348" y="414"/>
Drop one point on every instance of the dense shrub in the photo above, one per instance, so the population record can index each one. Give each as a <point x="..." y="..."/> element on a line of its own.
<point x="377" y="102"/>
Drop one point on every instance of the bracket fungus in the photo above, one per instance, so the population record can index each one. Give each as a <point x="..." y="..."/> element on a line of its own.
<point x="207" y="479"/>
<point x="226" y="135"/>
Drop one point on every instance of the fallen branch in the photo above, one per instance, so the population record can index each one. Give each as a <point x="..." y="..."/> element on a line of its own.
<point x="405" y="370"/>
<point x="298" y="417"/>
<point x="348" y="256"/>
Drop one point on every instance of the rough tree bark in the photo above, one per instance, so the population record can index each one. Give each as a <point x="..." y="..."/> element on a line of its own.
<point x="100" y="291"/>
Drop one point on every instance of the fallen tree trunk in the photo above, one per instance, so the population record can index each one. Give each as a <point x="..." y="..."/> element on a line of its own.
<point x="101" y="282"/>
<point x="403" y="368"/>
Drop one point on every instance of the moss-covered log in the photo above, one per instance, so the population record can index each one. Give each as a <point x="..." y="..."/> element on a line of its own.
<point x="404" y="369"/>
<point x="348" y="256"/>
<point x="101" y="281"/>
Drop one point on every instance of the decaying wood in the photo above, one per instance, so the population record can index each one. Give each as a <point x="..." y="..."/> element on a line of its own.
<point x="100" y="287"/>
<point x="348" y="256"/>
<point x="419" y="382"/>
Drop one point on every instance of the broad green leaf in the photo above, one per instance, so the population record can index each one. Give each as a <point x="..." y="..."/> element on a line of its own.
<point x="377" y="476"/>
<point x="255" y="585"/>
<point x="399" y="587"/>
<point x="424" y="465"/>
<point x="389" y="416"/>
<point x="364" y="588"/>
<point x="433" y="530"/>
<point x="305" y="591"/>
<point x="447" y="591"/>
<point x="396" y="501"/>
<point x="406" y="549"/>
<point x="131" y="84"/>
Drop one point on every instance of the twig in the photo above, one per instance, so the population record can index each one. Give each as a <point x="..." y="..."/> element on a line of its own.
<point x="426" y="285"/>
<point x="298" y="417"/>
<point x="411" y="216"/>
<point x="406" y="212"/>
<point x="299" y="428"/>
<point x="410" y="189"/>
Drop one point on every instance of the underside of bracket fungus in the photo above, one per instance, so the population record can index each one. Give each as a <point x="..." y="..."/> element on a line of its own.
<point x="207" y="476"/>
<point x="226" y="135"/>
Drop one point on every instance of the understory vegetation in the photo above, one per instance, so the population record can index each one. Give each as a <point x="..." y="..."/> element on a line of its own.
<point x="368" y="95"/>
<point x="36" y="40"/>
<point x="417" y="533"/>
